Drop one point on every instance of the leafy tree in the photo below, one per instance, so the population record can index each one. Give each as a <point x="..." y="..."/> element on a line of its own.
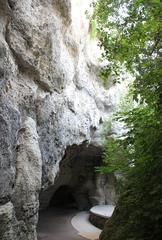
<point x="130" y="34"/>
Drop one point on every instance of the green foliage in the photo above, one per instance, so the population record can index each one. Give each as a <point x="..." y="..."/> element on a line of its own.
<point x="115" y="157"/>
<point x="131" y="33"/>
<point x="127" y="103"/>
<point x="132" y="39"/>
<point x="93" y="29"/>
<point x="138" y="156"/>
<point x="138" y="214"/>
<point x="106" y="129"/>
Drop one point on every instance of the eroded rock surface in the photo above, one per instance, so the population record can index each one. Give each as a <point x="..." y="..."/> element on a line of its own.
<point x="50" y="98"/>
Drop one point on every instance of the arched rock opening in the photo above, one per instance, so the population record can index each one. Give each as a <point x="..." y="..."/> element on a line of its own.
<point x="77" y="183"/>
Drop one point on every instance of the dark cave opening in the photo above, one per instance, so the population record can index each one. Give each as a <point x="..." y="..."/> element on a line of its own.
<point x="63" y="197"/>
<point x="76" y="182"/>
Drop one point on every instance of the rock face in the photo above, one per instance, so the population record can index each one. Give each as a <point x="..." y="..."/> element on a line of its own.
<point x="50" y="99"/>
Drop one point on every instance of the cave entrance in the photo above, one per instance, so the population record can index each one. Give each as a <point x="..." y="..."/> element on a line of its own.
<point x="76" y="182"/>
<point x="77" y="188"/>
<point x="63" y="197"/>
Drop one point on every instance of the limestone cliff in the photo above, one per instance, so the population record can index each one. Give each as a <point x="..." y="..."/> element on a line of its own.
<point x="50" y="99"/>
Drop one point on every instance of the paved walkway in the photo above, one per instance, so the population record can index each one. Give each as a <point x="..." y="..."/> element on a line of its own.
<point x="85" y="229"/>
<point x="55" y="224"/>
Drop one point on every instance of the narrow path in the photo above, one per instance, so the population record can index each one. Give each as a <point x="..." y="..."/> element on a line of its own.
<point x="55" y="224"/>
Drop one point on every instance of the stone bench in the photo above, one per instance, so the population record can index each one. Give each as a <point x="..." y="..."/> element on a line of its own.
<point x="99" y="214"/>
